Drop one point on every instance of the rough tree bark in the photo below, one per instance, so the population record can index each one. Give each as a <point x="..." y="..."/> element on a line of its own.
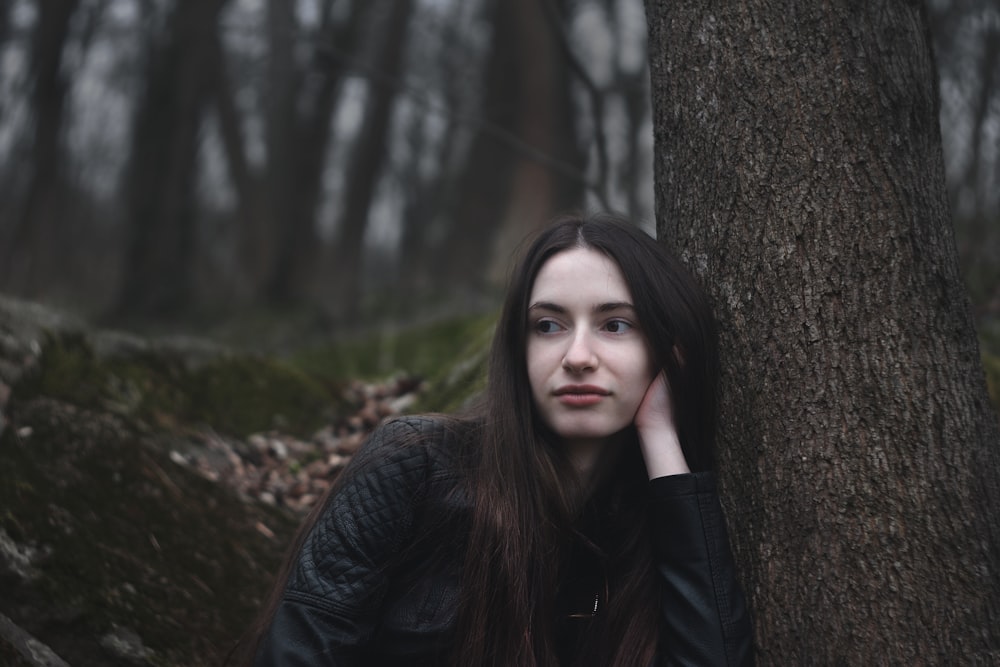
<point x="799" y="172"/>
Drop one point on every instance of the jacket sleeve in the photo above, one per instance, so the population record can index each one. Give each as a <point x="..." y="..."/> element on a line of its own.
<point x="706" y="621"/>
<point x="335" y="590"/>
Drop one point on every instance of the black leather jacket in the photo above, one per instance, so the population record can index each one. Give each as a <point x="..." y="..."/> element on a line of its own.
<point x="366" y="589"/>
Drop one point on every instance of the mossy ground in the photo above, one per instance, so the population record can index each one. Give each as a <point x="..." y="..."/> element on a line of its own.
<point x="238" y="394"/>
<point x="421" y="350"/>
<point x="450" y="355"/>
<point x="127" y="539"/>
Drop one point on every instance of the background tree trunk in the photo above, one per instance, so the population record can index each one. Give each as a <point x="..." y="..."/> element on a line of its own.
<point x="545" y="121"/>
<point x="799" y="173"/>
<point x="368" y="155"/>
<point x="523" y="164"/>
<point x="161" y="174"/>
<point x="249" y="215"/>
<point x="28" y="257"/>
<point x="297" y="240"/>
<point x="479" y="194"/>
<point x="284" y="84"/>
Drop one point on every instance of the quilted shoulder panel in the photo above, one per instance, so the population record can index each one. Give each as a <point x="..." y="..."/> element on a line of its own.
<point x="342" y="564"/>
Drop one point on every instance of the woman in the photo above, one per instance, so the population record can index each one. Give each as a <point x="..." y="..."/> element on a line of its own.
<point x="558" y="524"/>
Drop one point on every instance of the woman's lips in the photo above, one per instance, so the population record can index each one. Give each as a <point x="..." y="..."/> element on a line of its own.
<point x="580" y="395"/>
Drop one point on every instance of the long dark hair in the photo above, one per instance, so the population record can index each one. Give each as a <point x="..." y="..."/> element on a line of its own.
<point x="520" y="484"/>
<point x="524" y="494"/>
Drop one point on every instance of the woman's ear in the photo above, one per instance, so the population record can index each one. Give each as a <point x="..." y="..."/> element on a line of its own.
<point x="678" y="355"/>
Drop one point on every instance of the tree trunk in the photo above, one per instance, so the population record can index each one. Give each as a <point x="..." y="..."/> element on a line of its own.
<point x="160" y="176"/>
<point x="35" y="241"/>
<point x="426" y="191"/>
<point x="284" y="84"/>
<point x="250" y="215"/>
<point x="635" y="97"/>
<point x="546" y="123"/>
<point x="799" y="172"/>
<point x="368" y="155"/>
<point x="297" y="242"/>
<point x="424" y="195"/>
<point x="478" y="195"/>
<point x="524" y="163"/>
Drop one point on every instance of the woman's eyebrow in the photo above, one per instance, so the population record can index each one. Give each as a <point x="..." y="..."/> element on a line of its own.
<point x="547" y="305"/>
<point x="599" y="308"/>
<point x="613" y="305"/>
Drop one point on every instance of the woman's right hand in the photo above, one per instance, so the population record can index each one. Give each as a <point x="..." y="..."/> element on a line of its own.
<point x="657" y="429"/>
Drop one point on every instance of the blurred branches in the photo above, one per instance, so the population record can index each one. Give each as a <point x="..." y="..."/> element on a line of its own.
<point x="365" y="160"/>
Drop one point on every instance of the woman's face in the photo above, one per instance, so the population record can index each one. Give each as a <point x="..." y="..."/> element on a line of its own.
<point x="588" y="361"/>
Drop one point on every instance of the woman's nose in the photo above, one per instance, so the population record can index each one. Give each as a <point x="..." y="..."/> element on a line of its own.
<point x="580" y="354"/>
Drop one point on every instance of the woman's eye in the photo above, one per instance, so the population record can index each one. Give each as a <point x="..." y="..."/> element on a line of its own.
<point x="546" y="326"/>
<point x="617" y="326"/>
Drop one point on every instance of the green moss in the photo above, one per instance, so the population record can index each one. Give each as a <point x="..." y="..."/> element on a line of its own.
<point x="423" y="351"/>
<point x="236" y="394"/>
<point x="455" y="383"/>
<point x="451" y="355"/>
<point x="243" y="395"/>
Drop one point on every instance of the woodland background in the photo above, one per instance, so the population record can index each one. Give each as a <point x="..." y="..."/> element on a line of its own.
<point x="339" y="185"/>
<point x="174" y="165"/>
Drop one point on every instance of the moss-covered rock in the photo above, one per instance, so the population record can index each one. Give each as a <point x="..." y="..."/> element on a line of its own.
<point x="235" y="393"/>
<point x="123" y="549"/>
<point x="113" y="553"/>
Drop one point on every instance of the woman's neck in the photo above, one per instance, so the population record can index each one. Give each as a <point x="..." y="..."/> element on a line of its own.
<point x="593" y="460"/>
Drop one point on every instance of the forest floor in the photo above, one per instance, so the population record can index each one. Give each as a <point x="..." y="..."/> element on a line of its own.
<point x="149" y="488"/>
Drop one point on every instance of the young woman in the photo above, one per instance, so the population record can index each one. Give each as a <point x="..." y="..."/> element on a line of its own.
<point x="571" y="519"/>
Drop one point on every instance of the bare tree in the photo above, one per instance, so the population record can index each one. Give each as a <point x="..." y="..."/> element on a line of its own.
<point x="250" y="216"/>
<point x="160" y="176"/>
<point x="36" y="231"/>
<point x="283" y="82"/>
<point x="296" y="241"/>
<point x="524" y="162"/>
<point x="799" y="172"/>
<point x="369" y="153"/>
<point x="424" y="193"/>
